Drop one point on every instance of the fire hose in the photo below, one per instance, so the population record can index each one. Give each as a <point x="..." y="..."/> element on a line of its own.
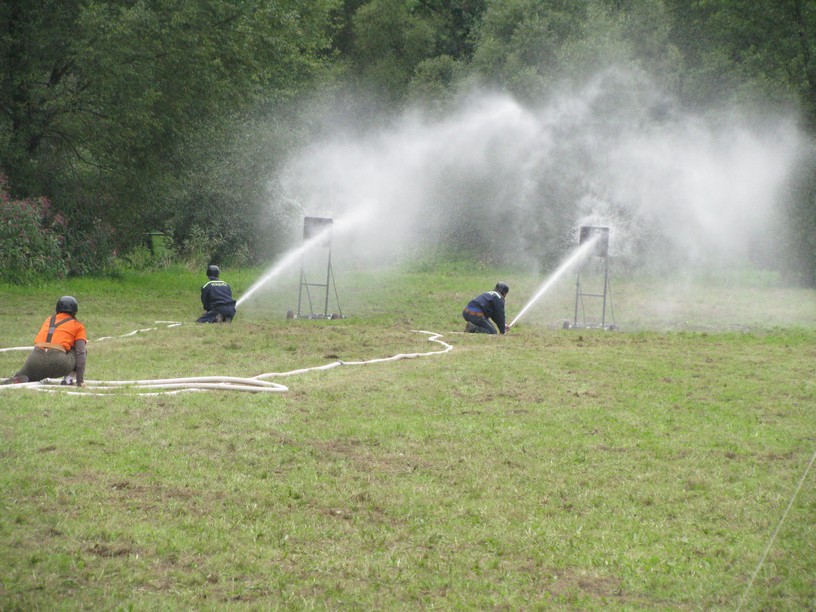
<point x="254" y="384"/>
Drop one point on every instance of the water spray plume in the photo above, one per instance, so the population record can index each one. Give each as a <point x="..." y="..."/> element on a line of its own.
<point x="685" y="191"/>
<point x="688" y="193"/>
<point x="577" y="255"/>
<point x="289" y="259"/>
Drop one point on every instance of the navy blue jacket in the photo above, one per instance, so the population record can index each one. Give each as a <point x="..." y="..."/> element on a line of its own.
<point x="491" y="304"/>
<point x="216" y="293"/>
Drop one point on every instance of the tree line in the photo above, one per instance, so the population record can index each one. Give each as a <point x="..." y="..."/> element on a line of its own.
<point x="123" y="117"/>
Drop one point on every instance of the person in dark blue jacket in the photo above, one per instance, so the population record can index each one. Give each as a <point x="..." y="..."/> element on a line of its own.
<point x="482" y="308"/>
<point x="216" y="297"/>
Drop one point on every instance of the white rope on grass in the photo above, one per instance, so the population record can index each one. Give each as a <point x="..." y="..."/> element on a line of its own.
<point x="255" y="384"/>
<point x="775" y="532"/>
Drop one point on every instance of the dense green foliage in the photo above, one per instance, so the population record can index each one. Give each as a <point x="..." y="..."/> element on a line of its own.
<point x="115" y="110"/>
<point x="174" y="116"/>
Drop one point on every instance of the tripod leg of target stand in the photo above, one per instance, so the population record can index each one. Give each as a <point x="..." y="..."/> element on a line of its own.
<point x="606" y="284"/>
<point x="328" y="280"/>
<point x="577" y="294"/>
<point x="300" y="289"/>
<point x="336" y="296"/>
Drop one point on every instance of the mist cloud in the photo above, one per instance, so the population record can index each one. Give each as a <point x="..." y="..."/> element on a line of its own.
<point x="516" y="182"/>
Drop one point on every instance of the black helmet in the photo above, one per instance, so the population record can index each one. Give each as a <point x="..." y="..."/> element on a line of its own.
<point x="67" y="304"/>
<point x="213" y="270"/>
<point x="502" y="288"/>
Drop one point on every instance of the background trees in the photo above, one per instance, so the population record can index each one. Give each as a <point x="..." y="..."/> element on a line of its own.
<point x="113" y="109"/>
<point x="136" y="116"/>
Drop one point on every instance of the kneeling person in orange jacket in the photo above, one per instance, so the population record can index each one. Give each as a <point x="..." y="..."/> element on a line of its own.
<point x="59" y="347"/>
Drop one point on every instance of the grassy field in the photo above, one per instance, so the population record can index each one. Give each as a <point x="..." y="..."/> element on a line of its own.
<point x="645" y="468"/>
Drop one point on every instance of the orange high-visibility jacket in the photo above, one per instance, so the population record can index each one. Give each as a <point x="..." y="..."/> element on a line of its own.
<point x="66" y="333"/>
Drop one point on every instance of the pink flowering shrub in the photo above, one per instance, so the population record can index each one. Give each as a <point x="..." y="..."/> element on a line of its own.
<point x="31" y="239"/>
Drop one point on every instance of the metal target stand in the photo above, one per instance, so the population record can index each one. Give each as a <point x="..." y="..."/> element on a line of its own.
<point x="599" y="250"/>
<point x="314" y="228"/>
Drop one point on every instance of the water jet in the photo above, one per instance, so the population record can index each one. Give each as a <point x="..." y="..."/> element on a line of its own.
<point x="576" y="256"/>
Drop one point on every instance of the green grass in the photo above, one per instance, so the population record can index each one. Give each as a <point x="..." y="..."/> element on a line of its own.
<point x="645" y="468"/>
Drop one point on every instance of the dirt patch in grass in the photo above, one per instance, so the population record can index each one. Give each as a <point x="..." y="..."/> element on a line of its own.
<point x="366" y="459"/>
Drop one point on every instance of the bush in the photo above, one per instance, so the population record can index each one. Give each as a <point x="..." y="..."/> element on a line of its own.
<point x="90" y="248"/>
<point x="31" y="239"/>
<point x="199" y="249"/>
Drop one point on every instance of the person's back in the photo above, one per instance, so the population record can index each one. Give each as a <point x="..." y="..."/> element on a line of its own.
<point x="490" y="303"/>
<point x="486" y="306"/>
<point x="217" y="293"/>
<point x="59" y="347"/>
<point x="216" y="298"/>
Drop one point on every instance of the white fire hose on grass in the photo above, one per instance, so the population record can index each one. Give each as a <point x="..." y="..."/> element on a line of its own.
<point x="255" y="384"/>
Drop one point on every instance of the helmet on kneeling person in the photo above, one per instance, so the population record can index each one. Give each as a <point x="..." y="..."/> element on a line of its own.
<point x="68" y="305"/>
<point x="502" y="288"/>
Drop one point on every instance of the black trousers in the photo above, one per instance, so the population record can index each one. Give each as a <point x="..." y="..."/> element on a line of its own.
<point x="483" y="326"/>
<point x="211" y="316"/>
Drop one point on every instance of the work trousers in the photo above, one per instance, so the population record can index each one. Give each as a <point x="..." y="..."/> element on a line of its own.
<point x="48" y="363"/>
<point x="483" y="326"/>
<point x="212" y="316"/>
